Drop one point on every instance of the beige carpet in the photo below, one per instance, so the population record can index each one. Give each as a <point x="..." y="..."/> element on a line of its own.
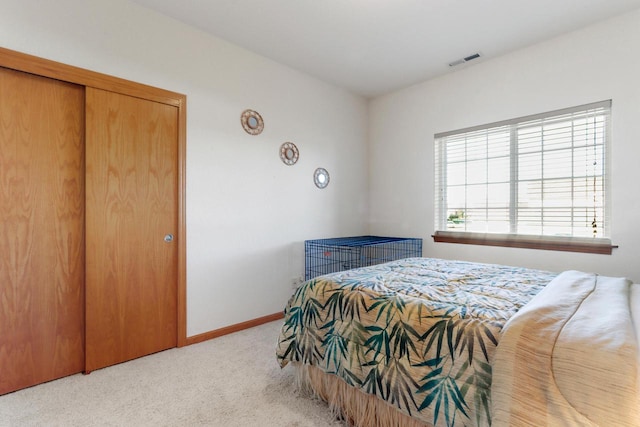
<point x="229" y="381"/>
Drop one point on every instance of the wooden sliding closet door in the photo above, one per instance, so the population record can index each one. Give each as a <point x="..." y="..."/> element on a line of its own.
<point x="41" y="229"/>
<point x="131" y="205"/>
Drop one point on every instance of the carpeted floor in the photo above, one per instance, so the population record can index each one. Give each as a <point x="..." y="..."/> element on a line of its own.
<point x="229" y="381"/>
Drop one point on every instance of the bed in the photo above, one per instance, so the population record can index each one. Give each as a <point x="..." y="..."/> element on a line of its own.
<point x="414" y="342"/>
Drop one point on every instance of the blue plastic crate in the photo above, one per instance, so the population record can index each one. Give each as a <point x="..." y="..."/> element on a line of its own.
<point x="323" y="256"/>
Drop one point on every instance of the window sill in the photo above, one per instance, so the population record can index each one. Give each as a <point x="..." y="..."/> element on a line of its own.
<point x="550" y="243"/>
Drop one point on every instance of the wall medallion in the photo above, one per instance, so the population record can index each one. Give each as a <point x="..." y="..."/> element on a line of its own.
<point x="252" y="122"/>
<point x="289" y="153"/>
<point x="321" y="177"/>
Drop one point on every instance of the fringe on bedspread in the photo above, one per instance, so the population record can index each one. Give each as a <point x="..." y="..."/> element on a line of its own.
<point x="357" y="408"/>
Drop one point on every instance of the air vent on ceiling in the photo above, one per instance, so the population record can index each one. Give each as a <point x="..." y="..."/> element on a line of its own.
<point x="464" y="60"/>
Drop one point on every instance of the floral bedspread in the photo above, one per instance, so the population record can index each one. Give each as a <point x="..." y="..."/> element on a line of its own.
<point x="419" y="333"/>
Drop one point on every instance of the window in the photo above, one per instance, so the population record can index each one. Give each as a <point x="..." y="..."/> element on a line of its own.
<point x="537" y="181"/>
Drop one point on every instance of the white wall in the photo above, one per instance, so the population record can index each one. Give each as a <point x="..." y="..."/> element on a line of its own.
<point x="247" y="212"/>
<point x="596" y="63"/>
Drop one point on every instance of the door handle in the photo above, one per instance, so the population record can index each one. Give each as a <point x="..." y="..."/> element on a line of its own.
<point x="168" y="238"/>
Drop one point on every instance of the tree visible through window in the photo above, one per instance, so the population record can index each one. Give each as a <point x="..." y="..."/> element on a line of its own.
<point x="542" y="175"/>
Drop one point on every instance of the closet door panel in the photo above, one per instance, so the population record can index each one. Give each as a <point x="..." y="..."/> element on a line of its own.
<point x="132" y="203"/>
<point x="41" y="229"/>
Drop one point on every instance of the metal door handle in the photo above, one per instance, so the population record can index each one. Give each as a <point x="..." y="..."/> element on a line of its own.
<point x="168" y="238"/>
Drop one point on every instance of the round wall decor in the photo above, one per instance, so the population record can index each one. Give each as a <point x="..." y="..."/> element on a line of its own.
<point x="252" y="122"/>
<point x="289" y="153"/>
<point x="321" y="177"/>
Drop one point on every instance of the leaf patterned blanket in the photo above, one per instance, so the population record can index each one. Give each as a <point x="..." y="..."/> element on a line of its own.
<point x="419" y="333"/>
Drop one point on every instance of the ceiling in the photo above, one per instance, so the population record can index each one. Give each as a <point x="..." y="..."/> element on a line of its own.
<point x="372" y="47"/>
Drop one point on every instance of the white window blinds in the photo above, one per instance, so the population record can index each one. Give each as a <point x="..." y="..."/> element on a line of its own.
<point x="542" y="175"/>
